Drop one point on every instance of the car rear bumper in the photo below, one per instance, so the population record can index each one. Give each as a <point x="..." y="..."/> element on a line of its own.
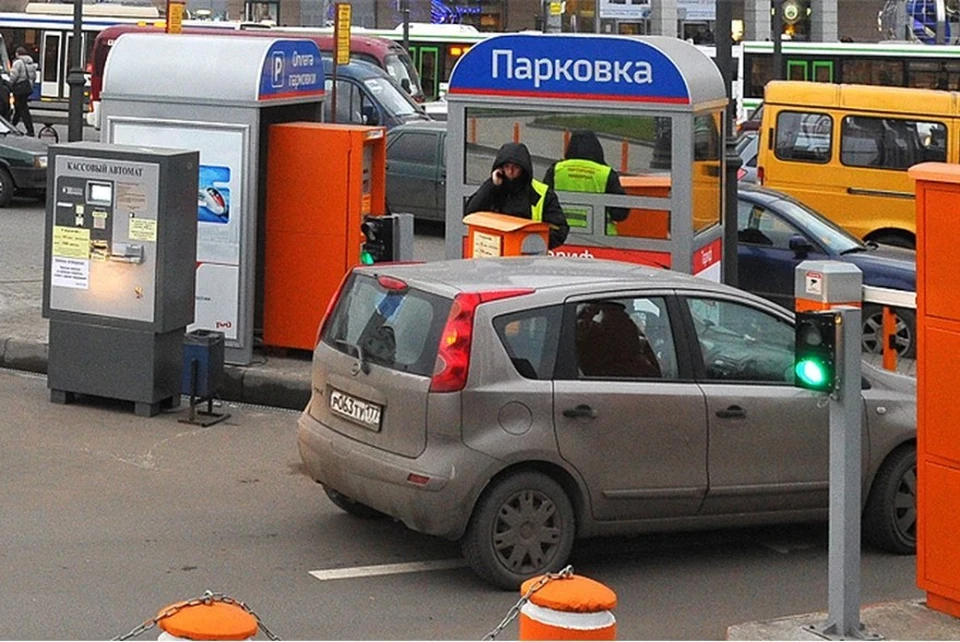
<point x="441" y="506"/>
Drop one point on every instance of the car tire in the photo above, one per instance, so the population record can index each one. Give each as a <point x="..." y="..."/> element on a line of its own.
<point x="890" y="516"/>
<point x="906" y="331"/>
<point x="353" y="507"/>
<point x="6" y="188"/>
<point x="522" y="526"/>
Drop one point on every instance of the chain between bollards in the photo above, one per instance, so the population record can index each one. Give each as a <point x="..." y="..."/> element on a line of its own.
<point x="514" y="611"/>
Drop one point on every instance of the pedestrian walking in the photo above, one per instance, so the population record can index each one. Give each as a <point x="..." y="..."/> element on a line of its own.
<point x="511" y="189"/>
<point x="585" y="170"/>
<point x="23" y="77"/>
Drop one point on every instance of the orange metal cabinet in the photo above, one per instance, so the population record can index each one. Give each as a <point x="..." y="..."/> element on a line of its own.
<point x="492" y="234"/>
<point x="644" y="223"/>
<point x="321" y="179"/>
<point x="938" y="379"/>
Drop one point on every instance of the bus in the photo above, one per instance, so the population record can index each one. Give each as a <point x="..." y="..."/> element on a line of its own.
<point x="385" y="54"/>
<point x="895" y="64"/>
<point x="46" y="30"/>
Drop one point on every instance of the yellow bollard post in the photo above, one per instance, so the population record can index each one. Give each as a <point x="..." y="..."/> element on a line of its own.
<point x="568" y="608"/>
<point x="206" y="621"/>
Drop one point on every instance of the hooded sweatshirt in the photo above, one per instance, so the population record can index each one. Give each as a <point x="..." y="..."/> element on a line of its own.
<point x="585" y="145"/>
<point x="517" y="197"/>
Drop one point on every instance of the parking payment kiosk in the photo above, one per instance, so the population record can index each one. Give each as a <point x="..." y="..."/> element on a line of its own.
<point x="655" y="106"/>
<point x="119" y="256"/>
<point x="220" y="96"/>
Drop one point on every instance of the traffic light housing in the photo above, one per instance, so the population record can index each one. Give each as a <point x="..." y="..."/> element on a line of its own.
<point x="379" y="244"/>
<point x="815" y="353"/>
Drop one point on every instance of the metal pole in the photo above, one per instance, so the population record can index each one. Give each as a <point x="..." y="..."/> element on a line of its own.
<point x="405" y="6"/>
<point x="724" y="43"/>
<point x="777" y="35"/>
<point x="75" y="78"/>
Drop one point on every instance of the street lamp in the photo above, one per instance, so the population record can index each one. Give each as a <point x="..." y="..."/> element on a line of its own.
<point x="75" y="77"/>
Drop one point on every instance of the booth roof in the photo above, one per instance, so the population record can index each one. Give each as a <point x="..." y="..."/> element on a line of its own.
<point x="187" y="68"/>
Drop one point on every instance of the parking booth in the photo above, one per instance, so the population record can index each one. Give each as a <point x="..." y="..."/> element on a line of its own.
<point x="219" y="96"/>
<point x="656" y="104"/>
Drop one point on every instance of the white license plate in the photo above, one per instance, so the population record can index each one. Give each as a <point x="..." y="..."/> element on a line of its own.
<point x="363" y="412"/>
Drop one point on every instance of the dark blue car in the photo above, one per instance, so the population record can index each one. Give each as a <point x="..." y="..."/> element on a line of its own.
<point x="776" y="233"/>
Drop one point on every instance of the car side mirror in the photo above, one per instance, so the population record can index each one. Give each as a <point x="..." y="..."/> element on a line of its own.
<point x="405" y="84"/>
<point x="800" y="245"/>
<point x="370" y="116"/>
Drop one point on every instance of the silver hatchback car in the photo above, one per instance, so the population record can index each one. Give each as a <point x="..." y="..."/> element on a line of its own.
<point x="516" y="404"/>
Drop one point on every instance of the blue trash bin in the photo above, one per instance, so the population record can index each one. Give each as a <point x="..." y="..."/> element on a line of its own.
<point x="203" y="355"/>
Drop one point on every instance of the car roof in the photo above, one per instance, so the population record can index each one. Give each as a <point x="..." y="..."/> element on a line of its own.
<point x="760" y="194"/>
<point x="539" y="273"/>
<point x="356" y="68"/>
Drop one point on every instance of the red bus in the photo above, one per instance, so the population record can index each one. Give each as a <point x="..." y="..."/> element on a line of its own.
<point x="386" y="54"/>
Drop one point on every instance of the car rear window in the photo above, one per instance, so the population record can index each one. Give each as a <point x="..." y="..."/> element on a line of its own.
<point x="397" y="329"/>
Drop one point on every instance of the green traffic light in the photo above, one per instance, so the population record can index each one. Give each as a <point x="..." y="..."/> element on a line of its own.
<point x="812" y="373"/>
<point x="366" y="258"/>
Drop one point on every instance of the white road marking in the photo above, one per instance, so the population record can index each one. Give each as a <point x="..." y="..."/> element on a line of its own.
<point x="387" y="569"/>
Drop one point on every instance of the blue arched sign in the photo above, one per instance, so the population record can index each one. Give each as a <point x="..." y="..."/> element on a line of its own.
<point x="570" y="67"/>
<point x="291" y="68"/>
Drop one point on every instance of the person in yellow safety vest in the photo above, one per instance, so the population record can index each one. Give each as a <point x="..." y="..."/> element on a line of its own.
<point x="584" y="170"/>
<point x="511" y="189"/>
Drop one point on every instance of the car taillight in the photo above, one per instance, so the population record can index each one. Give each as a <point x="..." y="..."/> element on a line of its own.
<point x="453" y="356"/>
<point x="330" y="305"/>
<point x="760" y="175"/>
<point x="741" y="173"/>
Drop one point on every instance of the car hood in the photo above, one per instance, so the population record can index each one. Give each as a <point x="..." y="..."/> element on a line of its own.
<point x="887" y="266"/>
<point x="24" y="144"/>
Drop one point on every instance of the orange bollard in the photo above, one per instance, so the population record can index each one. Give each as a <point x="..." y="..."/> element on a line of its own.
<point x="206" y="621"/>
<point x="624" y="156"/>
<point x="568" y="608"/>
<point x="516" y="132"/>
<point x="566" y="141"/>
<point x="473" y="130"/>
<point x="889" y="331"/>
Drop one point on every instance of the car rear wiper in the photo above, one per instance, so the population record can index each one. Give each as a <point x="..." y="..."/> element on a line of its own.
<point x="364" y="368"/>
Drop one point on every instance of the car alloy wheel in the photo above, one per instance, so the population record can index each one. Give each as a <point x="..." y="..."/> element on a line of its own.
<point x="905" y="333"/>
<point x="890" y="517"/>
<point x="523" y="526"/>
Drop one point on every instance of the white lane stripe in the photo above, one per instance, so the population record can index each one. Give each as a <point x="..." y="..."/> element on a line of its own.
<point x="387" y="569"/>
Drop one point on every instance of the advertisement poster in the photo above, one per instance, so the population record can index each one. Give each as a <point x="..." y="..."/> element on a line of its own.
<point x="219" y="213"/>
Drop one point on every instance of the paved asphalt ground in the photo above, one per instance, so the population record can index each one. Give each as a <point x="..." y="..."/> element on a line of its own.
<point x="283" y="380"/>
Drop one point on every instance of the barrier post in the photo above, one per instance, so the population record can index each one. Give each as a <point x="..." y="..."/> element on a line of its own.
<point x="567" y="608"/>
<point x="889" y="339"/>
<point x="516" y="132"/>
<point x="566" y="141"/>
<point x="624" y="156"/>
<point x="206" y="621"/>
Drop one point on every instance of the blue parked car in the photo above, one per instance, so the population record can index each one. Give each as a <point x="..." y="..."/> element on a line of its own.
<point x="777" y="232"/>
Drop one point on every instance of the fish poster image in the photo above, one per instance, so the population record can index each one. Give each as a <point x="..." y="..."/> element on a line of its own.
<point x="213" y="198"/>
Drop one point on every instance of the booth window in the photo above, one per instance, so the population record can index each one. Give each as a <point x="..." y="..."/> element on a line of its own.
<point x="706" y="171"/>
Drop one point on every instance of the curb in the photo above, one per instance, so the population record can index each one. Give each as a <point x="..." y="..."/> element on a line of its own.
<point x="241" y="385"/>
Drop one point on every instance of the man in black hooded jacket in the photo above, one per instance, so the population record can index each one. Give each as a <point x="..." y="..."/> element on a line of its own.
<point x="511" y="189"/>
<point x="584" y="170"/>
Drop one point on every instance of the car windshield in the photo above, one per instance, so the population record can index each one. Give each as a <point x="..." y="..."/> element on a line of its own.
<point x="399" y="72"/>
<point x="832" y="237"/>
<point x="394" y="101"/>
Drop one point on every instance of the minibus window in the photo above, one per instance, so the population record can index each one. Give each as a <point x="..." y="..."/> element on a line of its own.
<point x="890" y="143"/>
<point x="804" y="136"/>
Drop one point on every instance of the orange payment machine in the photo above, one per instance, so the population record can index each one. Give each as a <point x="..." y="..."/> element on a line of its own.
<point x="322" y="179"/>
<point x="938" y="323"/>
<point x="492" y="234"/>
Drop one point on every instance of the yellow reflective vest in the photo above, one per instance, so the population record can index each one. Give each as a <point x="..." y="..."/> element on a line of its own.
<point x="581" y="175"/>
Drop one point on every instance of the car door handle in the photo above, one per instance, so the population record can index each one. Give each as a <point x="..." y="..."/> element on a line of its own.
<point x="583" y="410"/>
<point x="732" y="412"/>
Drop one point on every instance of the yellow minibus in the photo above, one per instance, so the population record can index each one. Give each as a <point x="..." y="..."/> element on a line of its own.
<point x="845" y="149"/>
